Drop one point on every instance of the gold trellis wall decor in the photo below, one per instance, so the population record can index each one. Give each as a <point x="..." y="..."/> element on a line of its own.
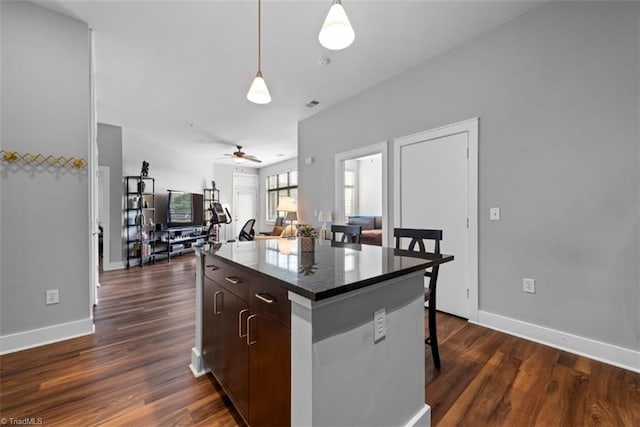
<point x="42" y="160"/>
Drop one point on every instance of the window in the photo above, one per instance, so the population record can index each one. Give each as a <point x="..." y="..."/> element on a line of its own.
<point x="349" y="192"/>
<point x="282" y="184"/>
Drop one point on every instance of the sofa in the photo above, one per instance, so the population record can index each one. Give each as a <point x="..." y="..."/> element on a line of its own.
<point x="371" y="228"/>
<point x="279" y="231"/>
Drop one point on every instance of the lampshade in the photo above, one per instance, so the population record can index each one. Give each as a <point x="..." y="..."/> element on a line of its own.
<point x="258" y="92"/>
<point x="324" y="216"/>
<point x="336" y="32"/>
<point x="287" y="204"/>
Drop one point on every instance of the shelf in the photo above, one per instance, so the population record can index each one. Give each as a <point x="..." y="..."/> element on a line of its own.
<point x="186" y="239"/>
<point x="144" y="218"/>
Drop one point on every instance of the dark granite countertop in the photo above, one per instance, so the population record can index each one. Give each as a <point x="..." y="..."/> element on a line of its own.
<point x="331" y="269"/>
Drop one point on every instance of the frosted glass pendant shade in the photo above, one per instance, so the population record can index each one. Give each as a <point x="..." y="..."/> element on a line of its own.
<point x="258" y="92"/>
<point x="336" y="32"/>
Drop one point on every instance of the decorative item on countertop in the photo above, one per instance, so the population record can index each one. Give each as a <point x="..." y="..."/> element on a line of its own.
<point x="324" y="216"/>
<point x="307" y="236"/>
<point x="145" y="169"/>
<point x="141" y="186"/>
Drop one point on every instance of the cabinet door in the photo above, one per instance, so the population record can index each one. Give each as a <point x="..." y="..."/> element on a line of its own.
<point x="269" y="372"/>
<point x="224" y="349"/>
<point x="211" y="326"/>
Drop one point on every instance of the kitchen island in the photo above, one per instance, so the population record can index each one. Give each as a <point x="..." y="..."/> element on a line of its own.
<point x="291" y="336"/>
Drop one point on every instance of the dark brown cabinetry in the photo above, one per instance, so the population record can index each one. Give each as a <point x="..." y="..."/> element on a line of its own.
<point x="247" y="341"/>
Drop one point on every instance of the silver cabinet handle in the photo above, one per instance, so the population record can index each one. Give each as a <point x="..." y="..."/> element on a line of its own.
<point x="212" y="267"/>
<point x="240" y="334"/>
<point x="265" y="297"/>
<point x="249" y="342"/>
<point x="215" y="302"/>
<point x="233" y="279"/>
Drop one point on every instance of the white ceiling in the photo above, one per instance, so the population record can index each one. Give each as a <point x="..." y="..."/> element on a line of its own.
<point x="181" y="69"/>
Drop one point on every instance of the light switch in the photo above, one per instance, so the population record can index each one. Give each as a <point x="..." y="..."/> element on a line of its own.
<point x="494" y="214"/>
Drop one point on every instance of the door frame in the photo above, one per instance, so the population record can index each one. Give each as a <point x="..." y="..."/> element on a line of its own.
<point x="379" y="148"/>
<point x="470" y="127"/>
<point x="105" y="213"/>
<point x="92" y="165"/>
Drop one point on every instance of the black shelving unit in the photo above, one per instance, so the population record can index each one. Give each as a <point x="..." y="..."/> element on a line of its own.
<point x="140" y="219"/>
<point x="178" y="240"/>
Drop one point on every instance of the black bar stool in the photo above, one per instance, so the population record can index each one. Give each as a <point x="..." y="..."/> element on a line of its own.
<point x="418" y="237"/>
<point x="350" y="233"/>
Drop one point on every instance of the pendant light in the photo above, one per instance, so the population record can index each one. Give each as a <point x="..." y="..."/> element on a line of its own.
<point x="336" y="32"/>
<point x="258" y="92"/>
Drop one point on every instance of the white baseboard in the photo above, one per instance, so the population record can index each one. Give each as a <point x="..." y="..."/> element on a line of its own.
<point x="422" y="418"/>
<point x="119" y="265"/>
<point x="618" y="356"/>
<point x="37" y="337"/>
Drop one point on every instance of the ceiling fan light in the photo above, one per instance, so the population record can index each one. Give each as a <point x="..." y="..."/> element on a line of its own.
<point x="336" y="32"/>
<point x="258" y="92"/>
<point x="238" y="160"/>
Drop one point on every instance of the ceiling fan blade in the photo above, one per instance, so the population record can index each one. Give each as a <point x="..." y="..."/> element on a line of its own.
<point x="253" y="159"/>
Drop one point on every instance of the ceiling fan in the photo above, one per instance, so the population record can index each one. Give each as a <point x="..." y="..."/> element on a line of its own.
<point x="239" y="156"/>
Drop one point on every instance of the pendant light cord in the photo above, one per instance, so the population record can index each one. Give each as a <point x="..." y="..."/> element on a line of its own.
<point x="259" y="38"/>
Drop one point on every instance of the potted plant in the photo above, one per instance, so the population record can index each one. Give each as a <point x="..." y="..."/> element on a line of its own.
<point x="307" y="235"/>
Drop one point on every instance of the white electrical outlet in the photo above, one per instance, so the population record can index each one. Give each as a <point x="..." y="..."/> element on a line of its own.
<point x="379" y="324"/>
<point x="529" y="286"/>
<point x="53" y="296"/>
<point x="494" y="214"/>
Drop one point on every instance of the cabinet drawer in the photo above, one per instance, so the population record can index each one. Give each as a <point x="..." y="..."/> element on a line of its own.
<point x="236" y="280"/>
<point x="214" y="268"/>
<point x="272" y="299"/>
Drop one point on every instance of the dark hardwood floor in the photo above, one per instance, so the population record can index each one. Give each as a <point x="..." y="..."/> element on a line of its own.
<point x="134" y="370"/>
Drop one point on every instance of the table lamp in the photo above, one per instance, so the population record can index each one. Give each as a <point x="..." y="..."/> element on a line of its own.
<point x="288" y="205"/>
<point x="324" y="216"/>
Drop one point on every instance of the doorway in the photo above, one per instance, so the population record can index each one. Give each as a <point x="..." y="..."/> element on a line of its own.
<point x="245" y="200"/>
<point x="104" y="225"/>
<point x="360" y="171"/>
<point x="436" y="186"/>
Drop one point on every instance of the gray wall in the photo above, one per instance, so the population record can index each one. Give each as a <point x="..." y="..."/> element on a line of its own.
<point x="556" y="91"/>
<point x="110" y="154"/>
<point x="44" y="231"/>
<point x="175" y="164"/>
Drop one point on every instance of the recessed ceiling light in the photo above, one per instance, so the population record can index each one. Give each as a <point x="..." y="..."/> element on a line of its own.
<point x="280" y="155"/>
<point x="324" y="61"/>
<point x="312" y="103"/>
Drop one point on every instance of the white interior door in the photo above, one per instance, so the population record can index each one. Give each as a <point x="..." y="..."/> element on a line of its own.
<point x="245" y="200"/>
<point x="433" y="195"/>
